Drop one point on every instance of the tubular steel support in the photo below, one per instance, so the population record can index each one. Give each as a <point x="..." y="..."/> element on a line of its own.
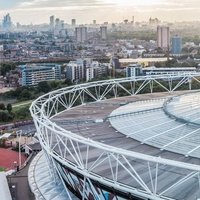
<point x="65" y="147"/>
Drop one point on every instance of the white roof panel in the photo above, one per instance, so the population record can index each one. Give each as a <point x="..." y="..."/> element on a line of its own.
<point x="4" y="189"/>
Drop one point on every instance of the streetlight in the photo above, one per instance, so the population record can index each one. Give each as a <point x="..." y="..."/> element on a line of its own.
<point x="19" y="133"/>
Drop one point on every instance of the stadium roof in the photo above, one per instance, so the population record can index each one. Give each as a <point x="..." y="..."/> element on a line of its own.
<point x="42" y="182"/>
<point x="172" y="124"/>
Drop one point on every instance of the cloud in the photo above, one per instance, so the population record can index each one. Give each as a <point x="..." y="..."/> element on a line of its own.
<point x="60" y="3"/>
<point x="156" y="4"/>
<point x="104" y="10"/>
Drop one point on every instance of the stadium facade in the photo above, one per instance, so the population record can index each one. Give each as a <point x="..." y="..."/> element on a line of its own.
<point x="109" y="140"/>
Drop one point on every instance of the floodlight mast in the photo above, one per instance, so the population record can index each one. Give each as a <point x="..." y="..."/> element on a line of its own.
<point x="19" y="133"/>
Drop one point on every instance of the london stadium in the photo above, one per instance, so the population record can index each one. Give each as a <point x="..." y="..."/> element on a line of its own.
<point x="130" y="138"/>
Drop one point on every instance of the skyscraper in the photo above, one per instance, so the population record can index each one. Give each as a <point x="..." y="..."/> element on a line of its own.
<point x="81" y="34"/>
<point x="52" y="22"/>
<point x="73" y="22"/>
<point x="57" y="23"/>
<point x="176" y="45"/>
<point x="7" y="23"/>
<point x="163" y="37"/>
<point x="133" y="20"/>
<point x="62" y="24"/>
<point x="103" y="31"/>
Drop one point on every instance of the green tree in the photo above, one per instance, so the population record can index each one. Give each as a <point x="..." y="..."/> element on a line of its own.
<point x="25" y="95"/>
<point x="68" y="82"/>
<point x="4" y="116"/>
<point x="9" y="107"/>
<point x="2" y="106"/>
<point x="44" y="87"/>
<point x="54" y="84"/>
<point x="6" y="67"/>
<point x="2" y="143"/>
<point x="22" y="113"/>
<point x="2" y="169"/>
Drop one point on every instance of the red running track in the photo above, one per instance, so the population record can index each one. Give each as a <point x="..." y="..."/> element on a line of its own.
<point x="8" y="158"/>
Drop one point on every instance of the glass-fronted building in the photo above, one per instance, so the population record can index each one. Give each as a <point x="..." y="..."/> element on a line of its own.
<point x="176" y="45"/>
<point x="32" y="74"/>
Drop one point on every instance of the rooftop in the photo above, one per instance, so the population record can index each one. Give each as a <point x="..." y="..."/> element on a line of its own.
<point x="140" y="120"/>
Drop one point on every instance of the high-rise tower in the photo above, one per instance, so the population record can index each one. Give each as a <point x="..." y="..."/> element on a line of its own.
<point x="103" y="31"/>
<point x="7" y="23"/>
<point x="52" y="22"/>
<point x="81" y="34"/>
<point x="163" y="37"/>
<point x="176" y="45"/>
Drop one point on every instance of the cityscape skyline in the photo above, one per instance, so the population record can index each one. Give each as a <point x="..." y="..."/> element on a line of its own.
<point x="85" y="11"/>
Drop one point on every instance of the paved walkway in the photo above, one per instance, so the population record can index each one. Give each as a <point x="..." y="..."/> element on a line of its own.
<point x="19" y="186"/>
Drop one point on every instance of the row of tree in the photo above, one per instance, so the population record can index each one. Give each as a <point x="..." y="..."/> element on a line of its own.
<point x="23" y="94"/>
<point x="175" y="63"/>
<point x="6" y="112"/>
<point x="6" y="67"/>
<point x="29" y="92"/>
<point x="8" y="107"/>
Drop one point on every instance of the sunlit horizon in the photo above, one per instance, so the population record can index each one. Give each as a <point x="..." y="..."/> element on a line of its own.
<point x="25" y="11"/>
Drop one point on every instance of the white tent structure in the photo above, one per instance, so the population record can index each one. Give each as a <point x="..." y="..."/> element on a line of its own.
<point x="5" y="135"/>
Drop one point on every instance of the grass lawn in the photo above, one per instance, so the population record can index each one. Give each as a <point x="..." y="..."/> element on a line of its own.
<point x="22" y="104"/>
<point x="2" y="169"/>
<point x="21" y="110"/>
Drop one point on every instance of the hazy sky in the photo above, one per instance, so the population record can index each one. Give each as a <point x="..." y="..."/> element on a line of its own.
<point x="38" y="11"/>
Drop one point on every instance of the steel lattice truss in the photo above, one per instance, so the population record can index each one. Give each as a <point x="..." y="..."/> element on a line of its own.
<point x="85" y="156"/>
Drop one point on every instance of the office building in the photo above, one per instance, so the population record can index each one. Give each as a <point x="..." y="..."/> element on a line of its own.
<point x="101" y="70"/>
<point x="7" y="23"/>
<point x="163" y="37"/>
<point x="32" y="74"/>
<point x="81" y="34"/>
<point x="133" y="20"/>
<point x="176" y="45"/>
<point x="115" y="63"/>
<point x="133" y="70"/>
<point x="85" y="70"/>
<point x="75" y="70"/>
<point x="57" y="24"/>
<point x="91" y="69"/>
<point x="103" y="31"/>
<point x="73" y="22"/>
<point x="62" y="24"/>
<point x="52" y="22"/>
<point x="89" y="73"/>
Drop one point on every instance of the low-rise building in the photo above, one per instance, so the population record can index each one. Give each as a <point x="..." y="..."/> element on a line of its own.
<point x="85" y="70"/>
<point x="32" y="74"/>
<point x="168" y="70"/>
<point x="133" y="70"/>
<point x="75" y="70"/>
